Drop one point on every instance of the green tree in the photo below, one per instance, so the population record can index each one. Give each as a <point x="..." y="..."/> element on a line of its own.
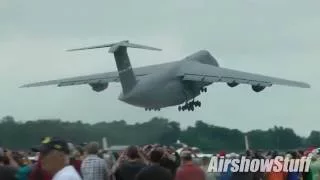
<point x="313" y="139"/>
<point x="210" y="138"/>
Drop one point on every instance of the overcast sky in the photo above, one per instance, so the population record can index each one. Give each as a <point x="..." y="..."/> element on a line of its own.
<point x="275" y="37"/>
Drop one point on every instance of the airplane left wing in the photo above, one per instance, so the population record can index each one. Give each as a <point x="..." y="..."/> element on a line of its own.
<point x="100" y="77"/>
<point x="207" y="73"/>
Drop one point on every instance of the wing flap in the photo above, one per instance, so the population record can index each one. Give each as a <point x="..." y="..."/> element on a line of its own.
<point x="87" y="81"/>
<point x="202" y="78"/>
<point x="211" y="74"/>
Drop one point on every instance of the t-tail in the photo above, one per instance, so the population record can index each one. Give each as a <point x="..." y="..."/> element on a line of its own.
<point x="127" y="77"/>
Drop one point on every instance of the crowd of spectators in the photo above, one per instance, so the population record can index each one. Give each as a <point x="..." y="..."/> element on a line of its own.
<point x="56" y="159"/>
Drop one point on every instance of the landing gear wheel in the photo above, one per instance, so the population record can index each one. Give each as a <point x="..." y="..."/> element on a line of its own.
<point x="198" y="103"/>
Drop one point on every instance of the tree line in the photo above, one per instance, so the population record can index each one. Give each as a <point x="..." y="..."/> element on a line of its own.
<point x="209" y="138"/>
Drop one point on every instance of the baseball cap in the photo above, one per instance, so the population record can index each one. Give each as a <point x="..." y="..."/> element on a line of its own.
<point x="222" y="153"/>
<point x="52" y="143"/>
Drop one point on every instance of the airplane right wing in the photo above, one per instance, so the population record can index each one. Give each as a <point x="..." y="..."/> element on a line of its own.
<point x="206" y="73"/>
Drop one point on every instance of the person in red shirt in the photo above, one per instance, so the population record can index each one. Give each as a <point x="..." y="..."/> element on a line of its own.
<point x="38" y="173"/>
<point x="188" y="170"/>
<point x="75" y="159"/>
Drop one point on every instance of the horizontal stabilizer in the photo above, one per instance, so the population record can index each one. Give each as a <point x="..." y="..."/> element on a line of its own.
<point x="115" y="46"/>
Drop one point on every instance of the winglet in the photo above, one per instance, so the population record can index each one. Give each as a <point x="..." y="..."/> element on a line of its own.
<point x="115" y="46"/>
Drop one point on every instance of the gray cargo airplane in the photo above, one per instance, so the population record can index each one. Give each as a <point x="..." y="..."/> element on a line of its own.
<point x="169" y="84"/>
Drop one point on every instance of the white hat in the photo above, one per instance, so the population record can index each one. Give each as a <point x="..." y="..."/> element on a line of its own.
<point x="288" y="156"/>
<point x="233" y="155"/>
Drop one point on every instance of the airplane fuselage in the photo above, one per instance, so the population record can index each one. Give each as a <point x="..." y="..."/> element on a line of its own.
<point x="156" y="91"/>
<point x="165" y="88"/>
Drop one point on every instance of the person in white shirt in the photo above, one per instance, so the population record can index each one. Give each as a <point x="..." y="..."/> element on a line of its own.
<point x="67" y="173"/>
<point x="54" y="159"/>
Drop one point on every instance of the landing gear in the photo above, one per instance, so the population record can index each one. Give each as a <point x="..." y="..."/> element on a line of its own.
<point x="152" y="109"/>
<point x="190" y="106"/>
<point x="204" y="89"/>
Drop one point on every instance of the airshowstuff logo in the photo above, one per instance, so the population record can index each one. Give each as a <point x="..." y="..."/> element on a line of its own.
<point x="278" y="164"/>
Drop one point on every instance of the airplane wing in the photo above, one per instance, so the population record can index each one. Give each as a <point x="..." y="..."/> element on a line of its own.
<point x="99" y="78"/>
<point x="206" y="73"/>
<point x="93" y="78"/>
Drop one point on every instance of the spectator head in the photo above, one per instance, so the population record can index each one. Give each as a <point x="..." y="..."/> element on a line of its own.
<point x="79" y="153"/>
<point x="147" y="148"/>
<point x="80" y="150"/>
<point x="294" y="155"/>
<point x="195" y="150"/>
<point x="132" y="152"/>
<point x="155" y="156"/>
<point x="54" y="154"/>
<point x="249" y="153"/>
<point x="301" y="152"/>
<point x="289" y="156"/>
<point x="186" y="156"/>
<point x="19" y="158"/>
<point x="232" y="156"/>
<point x="274" y="154"/>
<point x="92" y="148"/>
<point x="222" y="154"/>
<point x="257" y="154"/>
<point x="171" y="150"/>
<point x="84" y="144"/>
<point x="314" y="156"/>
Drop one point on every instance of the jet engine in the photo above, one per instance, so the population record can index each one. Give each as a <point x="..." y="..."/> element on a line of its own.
<point x="257" y="88"/>
<point x="98" y="87"/>
<point x="232" y="84"/>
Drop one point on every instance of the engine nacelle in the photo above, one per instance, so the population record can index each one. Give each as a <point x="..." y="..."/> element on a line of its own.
<point x="257" y="88"/>
<point x="98" y="87"/>
<point x="232" y="84"/>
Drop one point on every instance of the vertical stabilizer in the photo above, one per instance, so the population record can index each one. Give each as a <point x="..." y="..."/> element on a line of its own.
<point x="126" y="75"/>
